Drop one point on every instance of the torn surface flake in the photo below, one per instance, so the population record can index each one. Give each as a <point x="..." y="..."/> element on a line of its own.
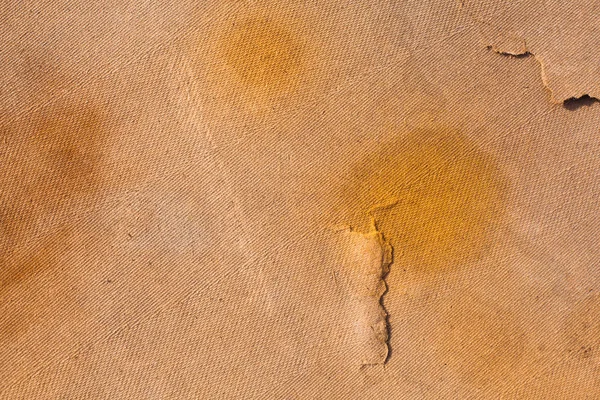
<point x="370" y="256"/>
<point x="569" y="66"/>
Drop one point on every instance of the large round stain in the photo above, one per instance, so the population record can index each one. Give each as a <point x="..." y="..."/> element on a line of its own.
<point x="432" y="193"/>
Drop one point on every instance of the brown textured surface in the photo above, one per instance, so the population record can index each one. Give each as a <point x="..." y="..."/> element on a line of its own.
<point x="178" y="180"/>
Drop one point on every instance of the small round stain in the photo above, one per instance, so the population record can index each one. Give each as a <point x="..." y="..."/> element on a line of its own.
<point x="263" y="53"/>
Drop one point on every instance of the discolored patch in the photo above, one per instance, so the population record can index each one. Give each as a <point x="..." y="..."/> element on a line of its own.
<point x="263" y="53"/>
<point x="582" y="330"/>
<point x="52" y="159"/>
<point x="432" y="193"/>
<point x="439" y="200"/>
<point x="254" y="59"/>
<point x="479" y="341"/>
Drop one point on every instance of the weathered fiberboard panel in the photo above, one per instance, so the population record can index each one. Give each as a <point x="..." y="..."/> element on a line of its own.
<point x="299" y="200"/>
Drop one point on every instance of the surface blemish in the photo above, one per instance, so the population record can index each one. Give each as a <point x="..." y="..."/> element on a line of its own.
<point x="433" y="193"/>
<point x="262" y="53"/>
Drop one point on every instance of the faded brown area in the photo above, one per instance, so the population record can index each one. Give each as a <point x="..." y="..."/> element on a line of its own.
<point x="254" y="59"/>
<point x="263" y="53"/>
<point x="52" y="157"/>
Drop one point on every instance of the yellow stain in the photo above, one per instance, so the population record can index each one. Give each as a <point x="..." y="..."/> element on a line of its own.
<point x="433" y="194"/>
<point x="263" y="54"/>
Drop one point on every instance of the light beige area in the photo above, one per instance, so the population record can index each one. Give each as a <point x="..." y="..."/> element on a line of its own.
<point x="362" y="278"/>
<point x="201" y="200"/>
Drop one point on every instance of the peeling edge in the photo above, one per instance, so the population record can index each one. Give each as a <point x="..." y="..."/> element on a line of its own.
<point x="575" y="103"/>
<point x="386" y="263"/>
<point x="387" y="260"/>
<point x="384" y="267"/>
<point x="514" y="54"/>
<point x="571" y="103"/>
